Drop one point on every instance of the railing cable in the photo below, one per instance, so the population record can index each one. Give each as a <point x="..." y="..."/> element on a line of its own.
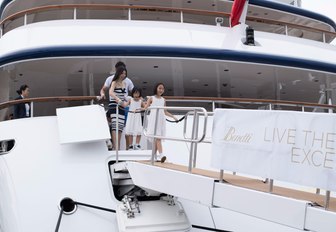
<point x="70" y="204"/>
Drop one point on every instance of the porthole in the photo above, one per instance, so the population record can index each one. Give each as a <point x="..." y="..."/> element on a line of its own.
<point x="6" y="146"/>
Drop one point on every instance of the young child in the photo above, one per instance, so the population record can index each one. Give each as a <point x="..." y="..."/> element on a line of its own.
<point x="158" y="100"/>
<point x="133" y="123"/>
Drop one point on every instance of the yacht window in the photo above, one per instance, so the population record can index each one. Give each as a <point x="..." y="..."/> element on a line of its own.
<point x="6" y="146"/>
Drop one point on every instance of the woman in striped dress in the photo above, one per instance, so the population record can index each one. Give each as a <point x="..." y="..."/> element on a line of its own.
<point x="118" y="99"/>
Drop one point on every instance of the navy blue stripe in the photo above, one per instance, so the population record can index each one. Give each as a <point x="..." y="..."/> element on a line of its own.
<point x="208" y="228"/>
<point x="267" y="4"/>
<point x="119" y="51"/>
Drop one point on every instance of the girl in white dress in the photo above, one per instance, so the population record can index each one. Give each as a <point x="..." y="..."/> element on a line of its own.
<point x="133" y="123"/>
<point x="158" y="100"/>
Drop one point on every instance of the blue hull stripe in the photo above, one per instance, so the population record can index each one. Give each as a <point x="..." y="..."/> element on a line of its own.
<point x="150" y="51"/>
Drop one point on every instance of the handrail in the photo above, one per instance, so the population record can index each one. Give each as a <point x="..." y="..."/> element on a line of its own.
<point x="249" y="100"/>
<point x="47" y="99"/>
<point x="193" y="140"/>
<point x="157" y="8"/>
<point x="175" y="98"/>
<point x="200" y="110"/>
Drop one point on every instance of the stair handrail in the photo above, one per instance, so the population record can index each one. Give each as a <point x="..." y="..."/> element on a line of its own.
<point x="196" y="111"/>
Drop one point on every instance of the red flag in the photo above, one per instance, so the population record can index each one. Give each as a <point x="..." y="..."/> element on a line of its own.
<point x="236" y="11"/>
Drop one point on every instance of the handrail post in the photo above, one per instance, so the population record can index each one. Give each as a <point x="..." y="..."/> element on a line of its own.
<point x="129" y="14"/>
<point x="303" y="108"/>
<point x="75" y="13"/>
<point x="154" y="133"/>
<point x="327" y="199"/>
<point x="25" y="19"/>
<point x="286" y="29"/>
<point x="270" y="189"/>
<point x="117" y="134"/>
<point x="192" y="144"/>
<point x="323" y="37"/>
<point x="195" y="137"/>
<point x="31" y="109"/>
<point x="181" y="16"/>
<point x="221" y="176"/>
<point x="213" y="106"/>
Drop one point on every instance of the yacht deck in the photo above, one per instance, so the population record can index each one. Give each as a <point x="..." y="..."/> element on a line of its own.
<point x="254" y="184"/>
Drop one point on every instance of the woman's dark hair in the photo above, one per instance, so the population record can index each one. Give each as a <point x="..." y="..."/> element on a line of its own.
<point x="22" y="88"/>
<point x="136" y="89"/>
<point x="156" y="86"/>
<point x="119" y="64"/>
<point x="119" y="71"/>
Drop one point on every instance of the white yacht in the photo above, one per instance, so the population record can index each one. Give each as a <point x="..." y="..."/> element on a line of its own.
<point x="254" y="150"/>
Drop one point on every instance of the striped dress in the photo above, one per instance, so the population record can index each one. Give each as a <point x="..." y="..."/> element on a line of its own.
<point x="120" y="93"/>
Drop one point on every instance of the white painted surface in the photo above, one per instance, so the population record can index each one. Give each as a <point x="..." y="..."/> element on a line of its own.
<point x="82" y="124"/>
<point x="154" y="216"/>
<point x="131" y="155"/>
<point x="8" y="207"/>
<point x="198" y="214"/>
<point x="43" y="172"/>
<point x="180" y="184"/>
<point x="230" y="220"/>
<point x="149" y="33"/>
<point x="270" y="207"/>
<point x="319" y="219"/>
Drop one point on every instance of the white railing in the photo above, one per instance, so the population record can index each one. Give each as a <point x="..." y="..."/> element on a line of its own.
<point x="193" y="140"/>
<point x="130" y="9"/>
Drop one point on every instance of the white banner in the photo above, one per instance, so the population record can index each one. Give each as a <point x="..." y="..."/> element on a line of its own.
<point x="296" y="147"/>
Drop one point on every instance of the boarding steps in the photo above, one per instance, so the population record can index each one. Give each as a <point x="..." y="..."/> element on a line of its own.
<point x="243" y="195"/>
<point x="152" y="213"/>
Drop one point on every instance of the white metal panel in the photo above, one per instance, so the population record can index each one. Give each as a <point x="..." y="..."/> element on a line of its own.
<point x="229" y="220"/>
<point x="176" y="183"/>
<point x="198" y="214"/>
<point x="43" y="172"/>
<point x="82" y="124"/>
<point x="286" y="211"/>
<point x="131" y="154"/>
<point x="153" y="216"/>
<point x="320" y="220"/>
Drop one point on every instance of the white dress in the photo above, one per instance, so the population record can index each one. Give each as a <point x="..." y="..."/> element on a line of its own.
<point x="161" y="124"/>
<point x="133" y="123"/>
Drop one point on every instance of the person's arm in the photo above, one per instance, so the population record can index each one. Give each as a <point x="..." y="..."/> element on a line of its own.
<point x="169" y="114"/>
<point x="143" y="103"/>
<point x="102" y="91"/>
<point x="105" y="87"/>
<point x="148" y="103"/>
<point x="128" y="102"/>
<point x="130" y="85"/>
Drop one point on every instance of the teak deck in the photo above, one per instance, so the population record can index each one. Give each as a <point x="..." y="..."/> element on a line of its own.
<point x="254" y="184"/>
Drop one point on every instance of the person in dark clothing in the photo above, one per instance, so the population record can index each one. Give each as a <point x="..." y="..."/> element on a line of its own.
<point x="22" y="110"/>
